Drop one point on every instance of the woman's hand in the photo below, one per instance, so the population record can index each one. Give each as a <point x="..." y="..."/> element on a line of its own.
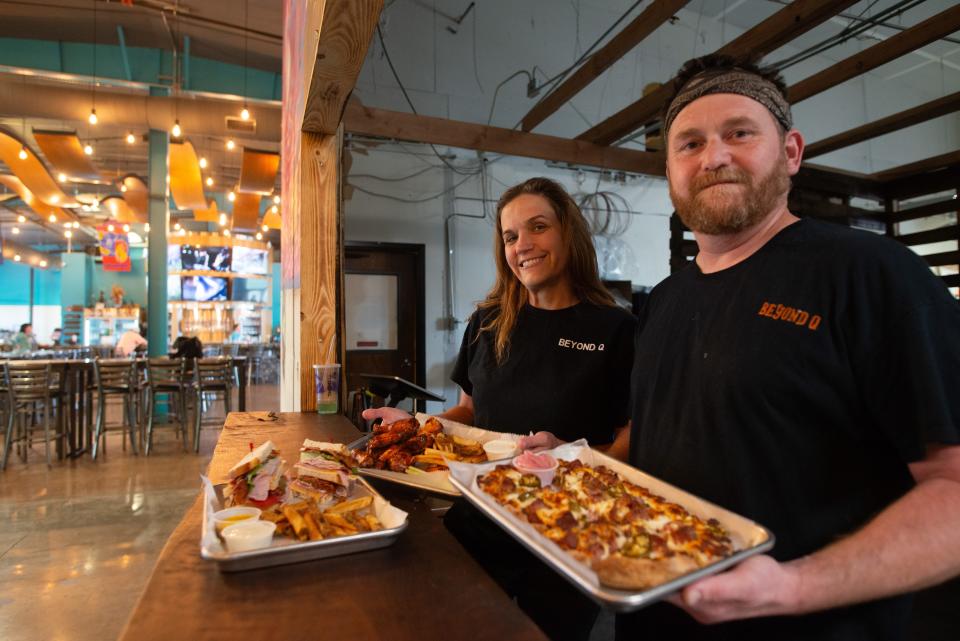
<point x="539" y="441"/>
<point x="388" y="414"/>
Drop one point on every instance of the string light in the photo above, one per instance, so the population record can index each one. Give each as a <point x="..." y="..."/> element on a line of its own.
<point x="23" y="152"/>
<point x="43" y="263"/>
<point x="226" y="232"/>
<point x="146" y="227"/>
<point x="265" y="228"/>
<point x="131" y="138"/>
<point x="21" y="218"/>
<point x="203" y="162"/>
<point x="230" y="144"/>
<point x="54" y="199"/>
<point x="92" y="118"/>
<point x="176" y="131"/>
<point x="15" y="230"/>
<point x="88" y="149"/>
<point x="183" y="232"/>
<point x="68" y="234"/>
<point x="231" y="196"/>
<point x="276" y="199"/>
<point x="209" y="181"/>
<point x="223" y="219"/>
<point x="62" y="177"/>
<point x="126" y="228"/>
<point x="110" y="228"/>
<point x="274" y="209"/>
<point x="259" y="236"/>
<point x="52" y="218"/>
<point x="177" y="226"/>
<point x="245" y="114"/>
<point x="16" y="257"/>
<point x="123" y="188"/>
<point x="76" y="224"/>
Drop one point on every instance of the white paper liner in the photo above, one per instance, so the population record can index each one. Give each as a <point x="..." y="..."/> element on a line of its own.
<point x="388" y="515"/>
<point x="744" y="533"/>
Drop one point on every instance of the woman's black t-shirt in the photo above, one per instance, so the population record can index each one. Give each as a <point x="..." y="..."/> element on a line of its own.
<point x="567" y="371"/>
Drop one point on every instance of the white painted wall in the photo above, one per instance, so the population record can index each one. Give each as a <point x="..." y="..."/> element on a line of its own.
<point x="455" y="75"/>
<point x="46" y="318"/>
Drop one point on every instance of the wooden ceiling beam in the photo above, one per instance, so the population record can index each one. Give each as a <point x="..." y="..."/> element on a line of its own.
<point x="919" y="167"/>
<point x="382" y="123"/>
<point x="919" y="35"/>
<point x="790" y="22"/>
<point x="951" y="232"/>
<point x="634" y="33"/>
<point x="943" y="258"/>
<point x="894" y="122"/>
<point x="924" y="211"/>
<point x="929" y="183"/>
<point x="838" y="182"/>
<point x="345" y="32"/>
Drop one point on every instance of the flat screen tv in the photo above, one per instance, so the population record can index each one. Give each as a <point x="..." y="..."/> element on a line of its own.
<point x="247" y="260"/>
<point x="173" y="258"/>
<point x="216" y="259"/>
<point x="204" y="288"/>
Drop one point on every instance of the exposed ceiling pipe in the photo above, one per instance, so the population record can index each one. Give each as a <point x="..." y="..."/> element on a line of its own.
<point x="197" y="115"/>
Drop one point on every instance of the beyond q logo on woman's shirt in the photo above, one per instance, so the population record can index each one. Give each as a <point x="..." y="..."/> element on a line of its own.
<point x="583" y="347"/>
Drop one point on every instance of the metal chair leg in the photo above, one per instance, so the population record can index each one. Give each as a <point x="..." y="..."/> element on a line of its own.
<point x="8" y="440"/>
<point x="196" y="422"/>
<point x="151" y="402"/>
<point x="98" y="428"/>
<point x="131" y="405"/>
<point x="46" y="432"/>
<point x="182" y="419"/>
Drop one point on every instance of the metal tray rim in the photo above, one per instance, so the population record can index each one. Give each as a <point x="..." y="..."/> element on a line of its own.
<point x="617" y="600"/>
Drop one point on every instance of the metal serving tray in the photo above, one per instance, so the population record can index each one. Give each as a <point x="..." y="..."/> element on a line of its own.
<point x="749" y="538"/>
<point x="284" y="550"/>
<point x="433" y="482"/>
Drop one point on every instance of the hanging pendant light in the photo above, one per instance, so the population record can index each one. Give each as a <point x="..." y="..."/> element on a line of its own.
<point x="131" y="138"/>
<point x="176" y="132"/>
<point x="203" y="162"/>
<point x="92" y="118"/>
<point x="23" y="152"/>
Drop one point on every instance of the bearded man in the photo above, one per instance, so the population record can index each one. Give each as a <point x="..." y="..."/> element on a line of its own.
<point x="800" y="373"/>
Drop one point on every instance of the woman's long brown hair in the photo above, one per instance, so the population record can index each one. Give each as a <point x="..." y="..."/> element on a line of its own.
<point x="508" y="295"/>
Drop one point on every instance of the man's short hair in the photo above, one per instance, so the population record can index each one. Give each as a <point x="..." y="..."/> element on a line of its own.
<point x="716" y="64"/>
<point x="23" y="328"/>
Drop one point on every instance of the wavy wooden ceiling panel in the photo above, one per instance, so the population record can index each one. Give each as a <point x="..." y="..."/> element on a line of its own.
<point x="246" y="211"/>
<point x="272" y="219"/>
<point x="14" y="184"/>
<point x="121" y="211"/>
<point x="137" y="196"/>
<point x="186" y="182"/>
<point x="65" y="153"/>
<point x="209" y="215"/>
<point x="32" y="172"/>
<point x="258" y="171"/>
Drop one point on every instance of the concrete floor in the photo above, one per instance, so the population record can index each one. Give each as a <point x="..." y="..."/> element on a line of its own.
<point x="78" y="541"/>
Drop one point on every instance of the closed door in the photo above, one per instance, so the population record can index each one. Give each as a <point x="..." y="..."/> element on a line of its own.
<point x="383" y="300"/>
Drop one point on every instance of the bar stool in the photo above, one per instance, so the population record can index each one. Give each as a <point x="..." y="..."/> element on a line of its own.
<point x="211" y="376"/>
<point x="116" y="377"/>
<point x="166" y="376"/>
<point x="30" y="388"/>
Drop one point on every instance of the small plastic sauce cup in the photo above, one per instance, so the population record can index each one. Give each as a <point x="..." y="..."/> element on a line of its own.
<point x="232" y="515"/>
<point x="248" y="535"/>
<point x="499" y="449"/>
<point x="545" y="474"/>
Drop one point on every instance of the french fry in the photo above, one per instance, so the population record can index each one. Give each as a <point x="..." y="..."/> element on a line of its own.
<point x="373" y="522"/>
<point x="296" y="520"/>
<point x="313" y="528"/>
<point x="350" y="506"/>
<point x="337" y="521"/>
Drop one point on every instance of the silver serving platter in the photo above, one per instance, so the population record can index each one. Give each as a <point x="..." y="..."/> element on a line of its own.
<point x="284" y="550"/>
<point x="749" y="537"/>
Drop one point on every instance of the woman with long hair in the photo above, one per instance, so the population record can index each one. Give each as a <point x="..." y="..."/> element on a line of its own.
<point x="547" y="349"/>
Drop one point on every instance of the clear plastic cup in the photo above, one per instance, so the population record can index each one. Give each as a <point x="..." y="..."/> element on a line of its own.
<point x="326" y="384"/>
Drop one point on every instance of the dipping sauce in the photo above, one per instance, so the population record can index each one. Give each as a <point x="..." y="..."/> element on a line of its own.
<point x="543" y="466"/>
<point x="232" y="515"/>
<point x="499" y="449"/>
<point x="248" y="535"/>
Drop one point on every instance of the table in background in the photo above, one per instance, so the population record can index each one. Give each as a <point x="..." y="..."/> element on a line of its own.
<point x="425" y="586"/>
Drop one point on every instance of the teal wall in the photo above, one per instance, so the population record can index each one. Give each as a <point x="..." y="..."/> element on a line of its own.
<point x="15" y="285"/>
<point x="151" y="66"/>
<point x="83" y="279"/>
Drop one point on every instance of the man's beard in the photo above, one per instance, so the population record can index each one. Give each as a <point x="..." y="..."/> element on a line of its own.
<point x="717" y="213"/>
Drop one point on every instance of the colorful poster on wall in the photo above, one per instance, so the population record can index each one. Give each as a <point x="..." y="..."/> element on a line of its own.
<point x="114" y="247"/>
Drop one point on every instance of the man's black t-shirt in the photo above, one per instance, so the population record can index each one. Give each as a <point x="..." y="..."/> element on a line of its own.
<point x="567" y="371"/>
<point x="794" y="388"/>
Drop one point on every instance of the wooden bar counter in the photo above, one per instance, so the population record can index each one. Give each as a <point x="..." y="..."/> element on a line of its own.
<point x="425" y="586"/>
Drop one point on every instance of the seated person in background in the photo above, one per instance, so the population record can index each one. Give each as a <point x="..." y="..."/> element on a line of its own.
<point x="131" y="341"/>
<point x="56" y="336"/>
<point x="25" y="341"/>
<point x="187" y="347"/>
<point x="236" y="336"/>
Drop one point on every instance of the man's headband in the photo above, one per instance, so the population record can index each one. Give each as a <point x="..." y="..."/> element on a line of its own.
<point x="735" y="81"/>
